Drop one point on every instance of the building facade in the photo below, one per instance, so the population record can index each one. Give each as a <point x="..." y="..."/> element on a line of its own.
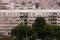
<point x="11" y="18"/>
<point x="29" y="4"/>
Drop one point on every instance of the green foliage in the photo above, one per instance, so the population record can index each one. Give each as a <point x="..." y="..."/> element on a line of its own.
<point x="21" y="31"/>
<point x="39" y="23"/>
<point x="38" y="26"/>
<point x="57" y="32"/>
<point x="6" y="38"/>
<point x="40" y="29"/>
<point x="44" y="30"/>
<point x="52" y="31"/>
<point x="47" y="29"/>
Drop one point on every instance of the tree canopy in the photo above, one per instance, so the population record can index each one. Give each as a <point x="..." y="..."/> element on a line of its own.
<point x="38" y="23"/>
<point x="21" y="31"/>
<point x="40" y="29"/>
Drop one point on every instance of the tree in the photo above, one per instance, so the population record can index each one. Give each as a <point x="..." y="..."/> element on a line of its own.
<point x="52" y="31"/>
<point x="57" y="31"/>
<point x="48" y="32"/>
<point x="38" y="26"/>
<point x="39" y="23"/>
<point x="39" y="29"/>
<point x="22" y="31"/>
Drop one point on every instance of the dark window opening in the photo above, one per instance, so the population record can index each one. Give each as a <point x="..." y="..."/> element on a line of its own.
<point x="21" y="16"/>
<point x="25" y="23"/>
<point x="25" y="19"/>
<point x="37" y="5"/>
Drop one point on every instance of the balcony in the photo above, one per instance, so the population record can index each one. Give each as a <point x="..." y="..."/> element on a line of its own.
<point x="52" y="19"/>
<point x="53" y="22"/>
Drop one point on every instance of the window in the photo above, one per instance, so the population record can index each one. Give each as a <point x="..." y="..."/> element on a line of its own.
<point x="58" y="23"/>
<point x="4" y="13"/>
<point x="51" y="5"/>
<point x="21" y="16"/>
<point x="0" y="13"/>
<point x="16" y="17"/>
<point x="25" y="23"/>
<point x="37" y="5"/>
<point x="54" y="0"/>
<point x="29" y="13"/>
<point x="21" y="13"/>
<point x="16" y="6"/>
<point x="30" y="20"/>
<point x="13" y="13"/>
<point x="55" y="13"/>
<point x="23" y="3"/>
<point x="16" y="23"/>
<point x="53" y="22"/>
<point x="10" y="20"/>
<point x="33" y="13"/>
<point x="11" y="23"/>
<point x="25" y="16"/>
<point x="58" y="20"/>
<point x="10" y="13"/>
<point x="8" y="33"/>
<point x="52" y="19"/>
<point x="46" y="13"/>
<point x="25" y="19"/>
<point x="17" y="20"/>
<point x="17" y="13"/>
<point x="29" y="2"/>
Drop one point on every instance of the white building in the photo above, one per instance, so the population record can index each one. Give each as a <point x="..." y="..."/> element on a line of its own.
<point x="11" y="18"/>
